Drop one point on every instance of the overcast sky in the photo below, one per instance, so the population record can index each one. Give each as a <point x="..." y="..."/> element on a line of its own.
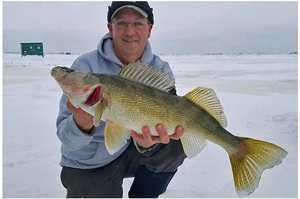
<point x="179" y="27"/>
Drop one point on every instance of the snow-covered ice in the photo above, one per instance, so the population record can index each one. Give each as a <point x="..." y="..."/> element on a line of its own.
<point x="258" y="93"/>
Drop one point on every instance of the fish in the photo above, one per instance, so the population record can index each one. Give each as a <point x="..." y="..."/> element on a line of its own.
<point x="139" y="96"/>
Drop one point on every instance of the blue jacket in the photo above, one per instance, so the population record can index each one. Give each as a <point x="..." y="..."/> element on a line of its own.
<point x="87" y="151"/>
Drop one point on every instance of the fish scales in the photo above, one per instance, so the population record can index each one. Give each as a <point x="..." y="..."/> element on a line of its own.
<point x="170" y="110"/>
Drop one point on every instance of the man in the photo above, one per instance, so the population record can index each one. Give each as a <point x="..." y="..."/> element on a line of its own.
<point x="88" y="169"/>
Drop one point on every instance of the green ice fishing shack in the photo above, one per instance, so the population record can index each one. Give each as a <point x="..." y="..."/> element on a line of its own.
<point x="32" y="49"/>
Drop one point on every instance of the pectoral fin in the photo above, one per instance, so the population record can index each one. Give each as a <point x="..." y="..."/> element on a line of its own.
<point x="98" y="114"/>
<point x="192" y="145"/>
<point x="115" y="137"/>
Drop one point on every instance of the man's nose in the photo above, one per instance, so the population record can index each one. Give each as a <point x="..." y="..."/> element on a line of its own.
<point x="130" y="29"/>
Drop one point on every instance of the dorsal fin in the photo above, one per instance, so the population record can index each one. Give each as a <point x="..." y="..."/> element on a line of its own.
<point x="208" y="100"/>
<point x="139" y="72"/>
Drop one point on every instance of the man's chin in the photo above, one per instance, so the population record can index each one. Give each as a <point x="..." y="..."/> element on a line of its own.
<point x="131" y="49"/>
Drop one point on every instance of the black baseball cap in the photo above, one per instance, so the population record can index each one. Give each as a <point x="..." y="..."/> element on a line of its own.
<point x="140" y="6"/>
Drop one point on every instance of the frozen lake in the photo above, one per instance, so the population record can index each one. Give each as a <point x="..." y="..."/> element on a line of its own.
<point x="259" y="94"/>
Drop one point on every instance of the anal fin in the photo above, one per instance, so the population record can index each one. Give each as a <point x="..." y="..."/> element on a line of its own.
<point x="192" y="145"/>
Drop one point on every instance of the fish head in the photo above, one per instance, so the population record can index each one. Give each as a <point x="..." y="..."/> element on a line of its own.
<point x="82" y="89"/>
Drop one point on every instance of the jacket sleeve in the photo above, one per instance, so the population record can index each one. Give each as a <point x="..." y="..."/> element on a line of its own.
<point x="167" y="69"/>
<point x="173" y="90"/>
<point x="67" y="130"/>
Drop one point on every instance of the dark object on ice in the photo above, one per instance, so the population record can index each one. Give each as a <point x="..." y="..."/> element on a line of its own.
<point x="32" y="49"/>
<point x="294" y="53"/>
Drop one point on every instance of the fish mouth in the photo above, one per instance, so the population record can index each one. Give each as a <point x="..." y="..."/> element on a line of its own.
<point x="55" y="72"/>
<point x="94" y="97"/>
<point x="59" y="71"/>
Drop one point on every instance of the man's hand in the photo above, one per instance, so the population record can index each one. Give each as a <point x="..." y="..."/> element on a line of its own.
<point x="83" y="119"/>
<point x="146" y="140"/>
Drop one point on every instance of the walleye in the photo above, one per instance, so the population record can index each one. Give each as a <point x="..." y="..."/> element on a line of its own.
<point x="139" y="96"/>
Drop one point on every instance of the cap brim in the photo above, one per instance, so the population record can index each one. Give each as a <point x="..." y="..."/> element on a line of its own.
<point x="142" y="12"/>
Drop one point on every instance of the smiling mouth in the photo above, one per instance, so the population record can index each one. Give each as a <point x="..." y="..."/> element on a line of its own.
<point x="130" y="42"/>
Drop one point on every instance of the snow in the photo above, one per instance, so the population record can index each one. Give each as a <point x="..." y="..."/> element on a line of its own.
<point x="258" y="92"/>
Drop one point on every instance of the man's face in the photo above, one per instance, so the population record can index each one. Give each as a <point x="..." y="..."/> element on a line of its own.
<point x="130" y="32"/>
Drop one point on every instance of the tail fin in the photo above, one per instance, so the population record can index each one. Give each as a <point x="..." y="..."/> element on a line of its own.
<point x="249" y="163"/>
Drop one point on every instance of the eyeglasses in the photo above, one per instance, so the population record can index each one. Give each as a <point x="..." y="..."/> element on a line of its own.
<point x="136" y="25"/>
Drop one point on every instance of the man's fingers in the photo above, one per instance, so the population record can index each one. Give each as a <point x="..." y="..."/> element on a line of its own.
<point x="156" y="139"/>
<point x="77" y="111"/>
<point x="147" y="137"/>
<point x="69" y="105"/>
<point x="178" y="133"/>
<point x="136" y="136"/>
<point x="163" y="134"/>
<point x="146" y="140"/>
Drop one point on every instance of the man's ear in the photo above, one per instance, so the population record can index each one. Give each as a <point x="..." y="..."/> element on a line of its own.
<point x="110" y="28"/>
<point x="149" y="29"/>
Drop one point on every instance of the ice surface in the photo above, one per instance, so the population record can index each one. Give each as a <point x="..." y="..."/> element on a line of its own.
<point x="258" y="92"/>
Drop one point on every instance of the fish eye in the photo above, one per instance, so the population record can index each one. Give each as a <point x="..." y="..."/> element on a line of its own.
<point x="66" y="69"/>
<point x="69" y="70"/>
